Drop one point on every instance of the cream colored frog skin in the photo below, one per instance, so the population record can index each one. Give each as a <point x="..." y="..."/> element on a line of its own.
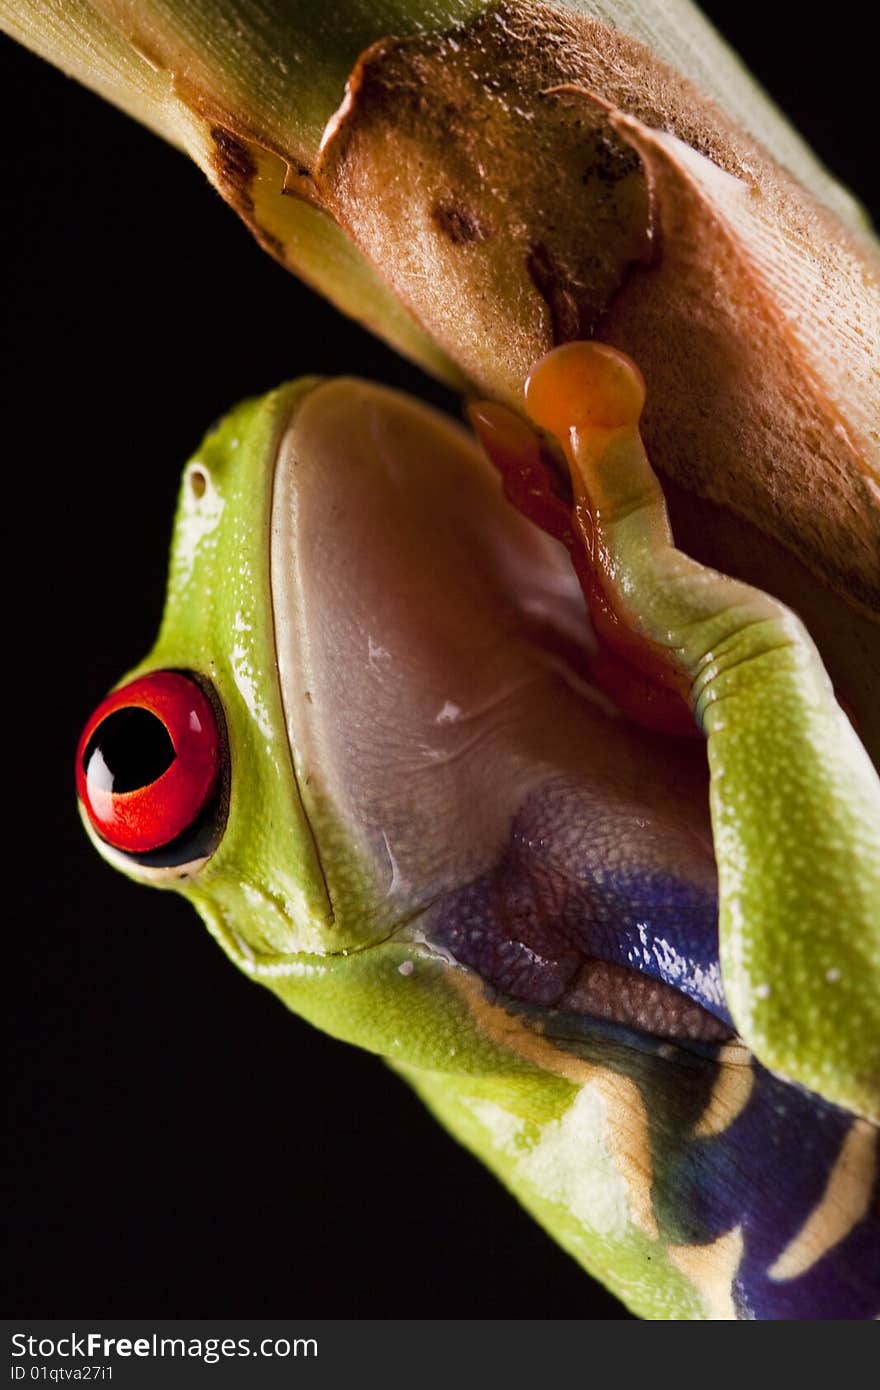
<point x="393" y="798"/>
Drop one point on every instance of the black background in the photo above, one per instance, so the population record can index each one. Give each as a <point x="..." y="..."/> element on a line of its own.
<point x="181" y="1145"/>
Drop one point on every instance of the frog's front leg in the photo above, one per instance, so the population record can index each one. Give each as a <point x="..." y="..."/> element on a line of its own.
<point x="795" y="800"/>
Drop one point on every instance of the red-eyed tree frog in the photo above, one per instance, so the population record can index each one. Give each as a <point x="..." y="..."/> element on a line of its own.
<point x="600" y="879"/>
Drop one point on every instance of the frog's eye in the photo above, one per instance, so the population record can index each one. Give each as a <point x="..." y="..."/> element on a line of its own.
<point x="148" y="765"/>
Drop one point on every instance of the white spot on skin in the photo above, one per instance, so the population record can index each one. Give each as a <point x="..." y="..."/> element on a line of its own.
<point x="282" y="969"/>
<point x="643" y="937"/>
<point x="762" y="991"/>
<point x="199" y="517"/>
<point x="243" y="675"/>
<point x="505" y="1129"/>
<point x="376" y="653"/>
<point x="693" y="979"/>
<point x="448" y="714"/>
<point x="405" y="967"/>
<point x="832" y="975"/>
<point x="567" y="1166"/>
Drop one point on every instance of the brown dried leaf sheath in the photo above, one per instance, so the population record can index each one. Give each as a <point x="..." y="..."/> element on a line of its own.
<point x="532" y="178"/>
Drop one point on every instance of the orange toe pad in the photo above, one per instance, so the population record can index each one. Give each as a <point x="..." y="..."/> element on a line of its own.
<point x="584" y="386"/>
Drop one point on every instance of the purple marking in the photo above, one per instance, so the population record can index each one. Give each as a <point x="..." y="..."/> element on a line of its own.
<point x="659" y="925"/>
<point x="766" y="1173"/>
<point x="566" y="888"/>
<point x="560" y="893"/>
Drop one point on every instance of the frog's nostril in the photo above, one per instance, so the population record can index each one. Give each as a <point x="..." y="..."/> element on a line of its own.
<point x="198" y="482"/>
<point x="148" y="762"/>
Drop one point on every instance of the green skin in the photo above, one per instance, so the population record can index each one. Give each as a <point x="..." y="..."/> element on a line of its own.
<point x="795" y="799"/>
<point x="788" y="761"/>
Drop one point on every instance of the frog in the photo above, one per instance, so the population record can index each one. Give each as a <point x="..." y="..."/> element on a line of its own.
<point x="621" y="935"/>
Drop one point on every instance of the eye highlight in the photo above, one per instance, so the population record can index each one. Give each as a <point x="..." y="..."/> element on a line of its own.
<point x="148" y="762"/>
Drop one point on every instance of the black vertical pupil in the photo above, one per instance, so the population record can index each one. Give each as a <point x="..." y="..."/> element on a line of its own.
<point x="133" y="748"/>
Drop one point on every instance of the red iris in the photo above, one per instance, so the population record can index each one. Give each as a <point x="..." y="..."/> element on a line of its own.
<point x="148" y="762"/>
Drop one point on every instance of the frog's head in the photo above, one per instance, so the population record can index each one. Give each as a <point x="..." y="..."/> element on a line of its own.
<point x="367" y="748"/>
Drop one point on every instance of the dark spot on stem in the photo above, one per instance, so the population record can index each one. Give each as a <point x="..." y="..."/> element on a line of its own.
<point x="553" y="287"/>
<point x="459" y="224"/>
<point x="235" y="167"/>
<point x="611" y="161"/>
